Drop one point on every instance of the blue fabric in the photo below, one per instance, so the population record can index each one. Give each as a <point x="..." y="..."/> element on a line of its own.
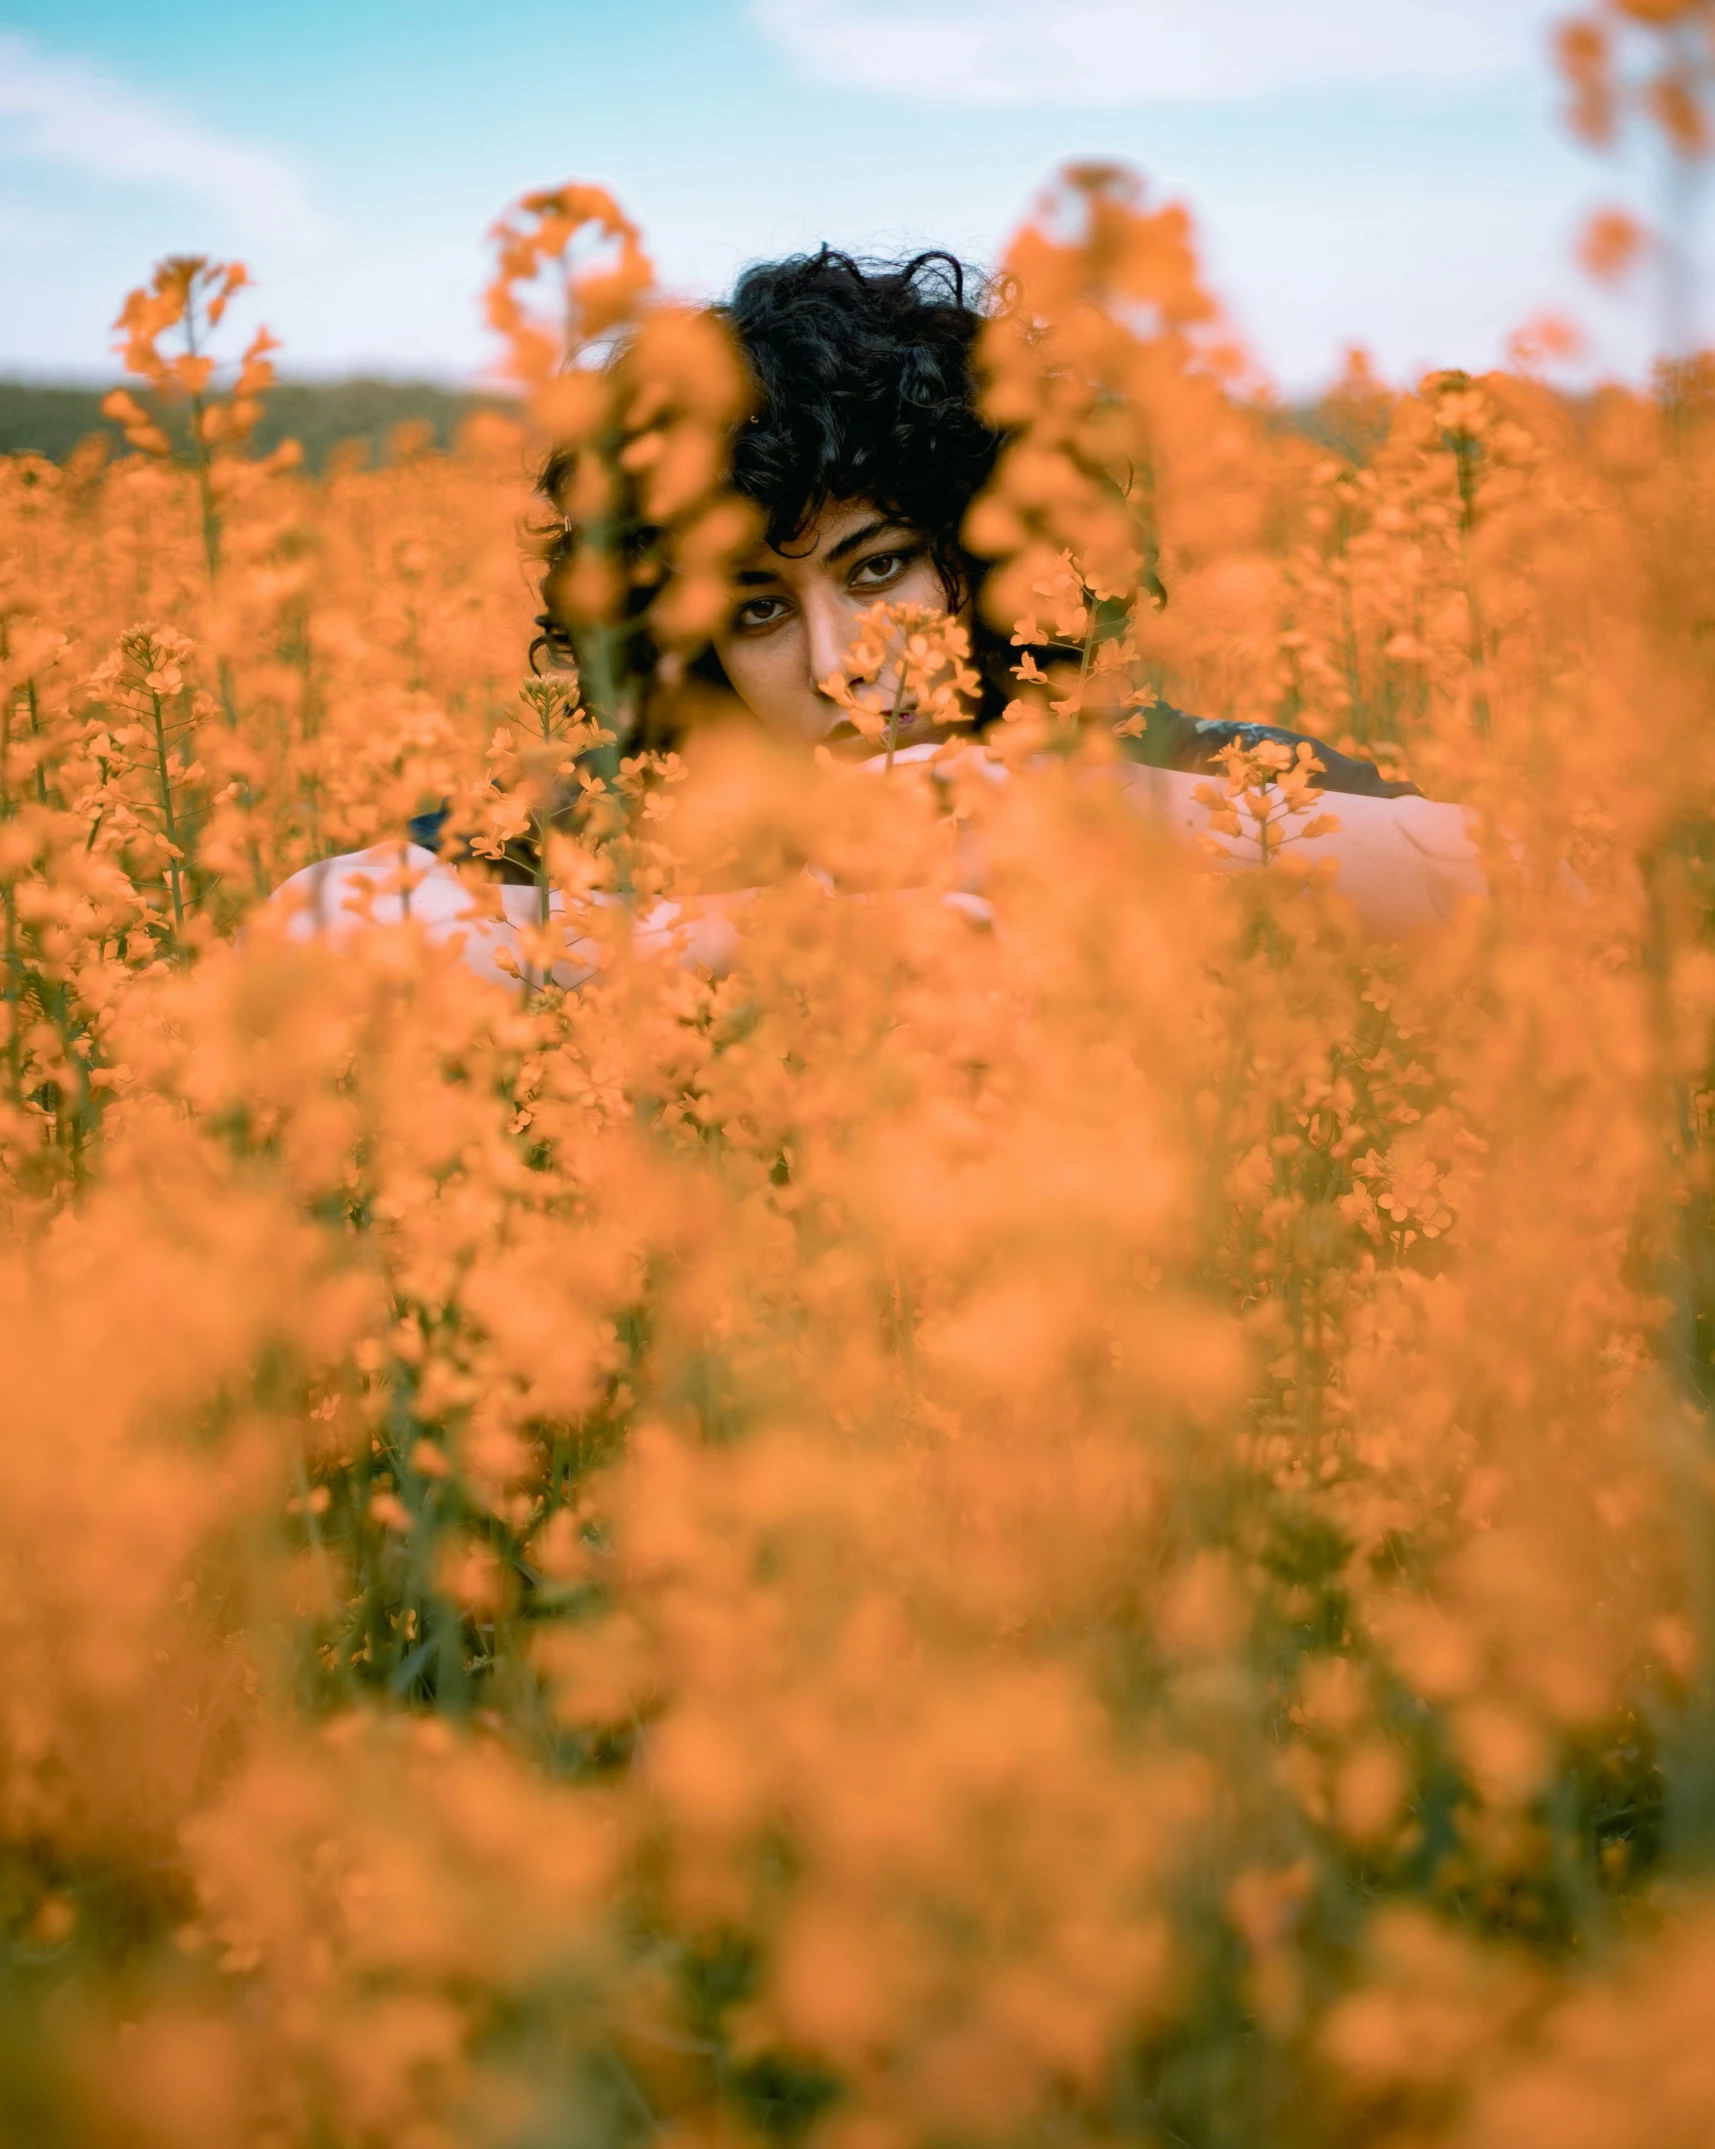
<point x="425" y="828"/>
<point x="1173" y="740"/>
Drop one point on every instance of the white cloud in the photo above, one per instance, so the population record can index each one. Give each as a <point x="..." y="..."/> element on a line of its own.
<point x="61" y="110"/>
<point x="1120" y="52"/>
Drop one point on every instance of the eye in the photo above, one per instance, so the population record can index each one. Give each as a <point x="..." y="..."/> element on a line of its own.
<point x="759" y="612"/>
<point x="881" y="568"/>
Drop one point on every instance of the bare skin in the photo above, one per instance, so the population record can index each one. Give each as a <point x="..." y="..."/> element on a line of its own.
<point x="1404" y="863"/>
<point x="798" y="611"/>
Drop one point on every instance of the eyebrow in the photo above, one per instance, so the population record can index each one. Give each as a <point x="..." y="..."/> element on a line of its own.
<point x="754" y="577"/>
<point x="862" y="536"/>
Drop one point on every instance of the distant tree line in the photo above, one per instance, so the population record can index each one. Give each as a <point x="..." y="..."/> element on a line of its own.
<point x="320" y="415"/>
<point x="42" y="419"/>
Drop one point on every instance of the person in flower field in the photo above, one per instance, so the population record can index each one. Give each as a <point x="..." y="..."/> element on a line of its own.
<point x="863" y="452"/>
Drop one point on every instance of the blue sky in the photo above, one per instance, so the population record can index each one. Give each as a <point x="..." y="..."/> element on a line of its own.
<point x="1390" y="171"/>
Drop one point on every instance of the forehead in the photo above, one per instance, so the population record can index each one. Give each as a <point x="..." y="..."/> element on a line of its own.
<point x="834" y="529"/>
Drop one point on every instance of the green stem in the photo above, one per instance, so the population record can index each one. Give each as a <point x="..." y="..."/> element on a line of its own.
<point x="598" y="676"/>
<point x="199" y="452"/>
<point x="100" y="811"/>
<point x="893" y="718"/>
<point x="32" y="703"/>
<point x="1465" y="466"/>
<point x="168" y="818"/>
<point x="205" y="492"/>
<point x="14" y="1000"/>
<point x="544" y="820"/>
<point x="14" y="962"/>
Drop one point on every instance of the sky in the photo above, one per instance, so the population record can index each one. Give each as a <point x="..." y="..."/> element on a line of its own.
<point x="1390" y="172"/>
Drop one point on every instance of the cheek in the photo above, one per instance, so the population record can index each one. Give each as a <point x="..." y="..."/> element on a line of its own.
<point x="756" y="669"/>
<point x="921" y="584"/>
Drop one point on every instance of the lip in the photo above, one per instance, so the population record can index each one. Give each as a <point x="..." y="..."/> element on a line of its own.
<point x="882" y="703"/>
<point x="844" y="736"/>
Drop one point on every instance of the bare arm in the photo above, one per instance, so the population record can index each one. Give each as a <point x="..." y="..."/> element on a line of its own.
<point x="1404" y="863"/>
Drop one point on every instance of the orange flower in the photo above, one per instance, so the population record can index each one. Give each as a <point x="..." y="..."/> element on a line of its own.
<point x="714" y="1446"/>
<point x="1610" y="243"/>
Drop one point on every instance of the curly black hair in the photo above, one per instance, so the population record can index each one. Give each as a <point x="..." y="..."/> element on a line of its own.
<point x="863" y="389"/>
<point x="863" y="374"/>
<point x="866" y="389"/>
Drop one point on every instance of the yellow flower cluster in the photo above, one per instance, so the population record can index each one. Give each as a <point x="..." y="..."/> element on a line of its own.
<point x="1087" y="1514"/>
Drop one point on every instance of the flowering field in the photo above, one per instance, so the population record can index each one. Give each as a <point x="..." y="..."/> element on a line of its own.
<point x="1082" y="1517"/>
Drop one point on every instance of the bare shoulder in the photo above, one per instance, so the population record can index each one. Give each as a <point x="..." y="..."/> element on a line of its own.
<point x="1405" y="863"/>
<point x="378" y="886"/>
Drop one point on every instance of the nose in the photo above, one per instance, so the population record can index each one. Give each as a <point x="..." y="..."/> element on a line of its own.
<point x="830" y="629"/>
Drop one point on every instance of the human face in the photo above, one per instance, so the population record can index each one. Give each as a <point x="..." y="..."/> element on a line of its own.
<point x="797" y="613"/>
